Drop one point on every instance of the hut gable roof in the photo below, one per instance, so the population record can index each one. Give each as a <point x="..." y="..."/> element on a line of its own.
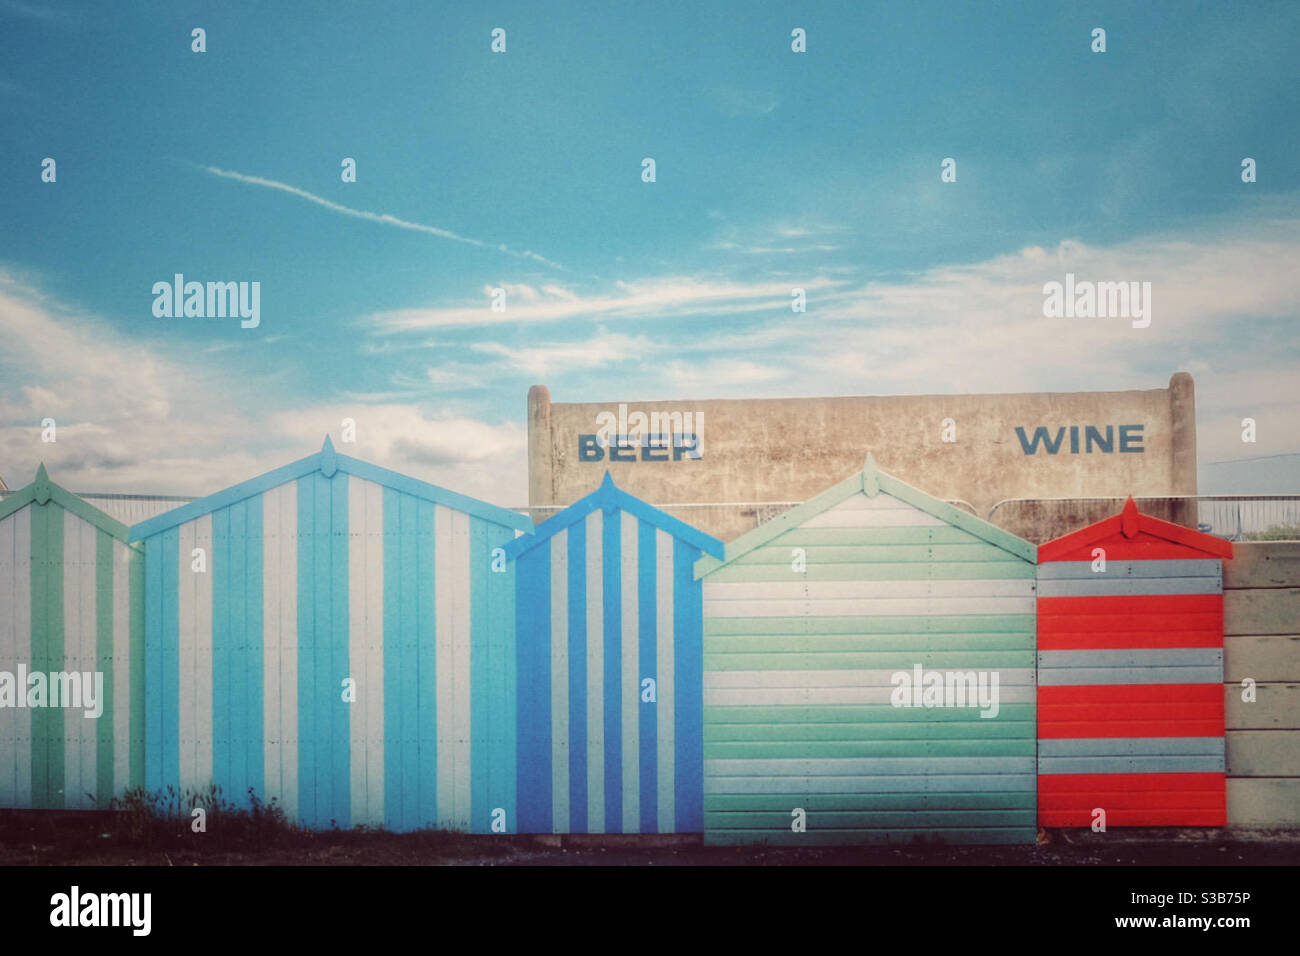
<point x="1131" y="528"/>
<point x="870" y="481"/>
<point x="609" y="497"/>
<point x="42" y="490"/>
<point x="328" y="462"/>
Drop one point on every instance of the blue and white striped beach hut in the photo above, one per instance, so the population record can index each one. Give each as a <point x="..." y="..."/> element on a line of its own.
<point x="610" y="669"/>
<point x="333" y="635"/>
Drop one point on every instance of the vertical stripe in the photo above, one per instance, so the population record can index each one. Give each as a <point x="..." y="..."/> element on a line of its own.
<point x="425" y="707"/>
<point x="631" y="658"/>
<point x="187" y="651"/>
<point x="105" y="753"/>
<point x="576" y="538"/>
<point x="396" y="812"/>
<point x="47" y="647"/>
<point x="170" y="732"/>
<point x="251" y="652"/>
<point x="533" y="656"/>
<point x="688" y="668"/>
<point x="560" y="683"/>
<point x="137" y="658"/>
<point x="480" y="679"/>
<point x="613" y="676"/>
<point x="665" y="709"/>
<point x="444" y="559"/>
<point x="275" y="510"/>
<point x="15" y="648"/>
<point x="338" y="599"/>
<point x="365" y="651"/>
<point x="460" y="616"/>
<point x="123" y="663"/>
<point x="594" y="530"/>
<point x="153" y="685"/>
<point x="647" y="724"/>
<point x="78" y="612"/>
<point x="505" y="689"/>
<point x="197" y="685"/>
<point x="216" y="655"/>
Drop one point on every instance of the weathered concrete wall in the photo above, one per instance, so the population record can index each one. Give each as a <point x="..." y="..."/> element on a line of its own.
<point x="1262" y="642"/>
<point x="791" y="449"/>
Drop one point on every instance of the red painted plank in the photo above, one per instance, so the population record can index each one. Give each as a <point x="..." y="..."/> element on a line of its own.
<point x="1121" y="817"/>
<point x="1100" y="727"/>
<point x="1126" y="604"/>
<point x="1133" y="799"/>
<point x="1121" y="694"/>
<point x="1129" y="782"/>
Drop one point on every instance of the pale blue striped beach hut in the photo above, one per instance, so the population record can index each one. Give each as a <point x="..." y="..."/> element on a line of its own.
<point x="339" y="638"/>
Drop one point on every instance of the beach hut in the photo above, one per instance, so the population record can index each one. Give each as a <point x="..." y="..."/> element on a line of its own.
<point x="1130" y="658"/>
<point x="610" y="695"/>
<point x="338" y="638"/>
<point x="71" y="652"/>
<point x="869" y="675"/>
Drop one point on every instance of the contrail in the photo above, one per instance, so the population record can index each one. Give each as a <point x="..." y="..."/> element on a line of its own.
<point x="381" y="218"/>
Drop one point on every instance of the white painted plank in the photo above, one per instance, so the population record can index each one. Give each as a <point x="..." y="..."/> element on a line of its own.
<point x="631" y="696"/>
<point x="444" y="587"/>
<point x="461" y="664"/>
<point x="594" y="524"/>
<point x="560" y="821"/>
<point x="665" y="725"/>
<point x="122" y="663"/>
<point x="868" y="607"/>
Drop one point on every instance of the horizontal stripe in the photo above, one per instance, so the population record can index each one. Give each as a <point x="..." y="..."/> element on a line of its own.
<point x="885" y="607"/>
<point x="794" y="696"/>
<point x="1174" y="568"/>
<point x="913" y="626"/>
<point x="1123" y="607"/>
<point x="721" y="717"/>
<point x="1123" y="817"/>
<point x="1130" y="783"/>
<point x="1142" y="746"/>
<point x="1140" y="657"/>
<point x="1054" y="640"/>
<point x="1131" y="764"/>
<point x="919" y="644"/>
<point x="892" y="783"/>
<point x="959" y="660"/>
<point x="1106" y="586"/>
<point x="830" y="802"/>
<point x="823" y="820"/>
<point x="836" y="678"/>
<point x="719" y="591"/>
<point x="898" y="730"/>
<point x="986" y="836"/>
<point x="812" y="570"/>
<point x="1049" y="677"/>
<point x="803" y="749"/>
<point x="884" y="518"/>
<point x="867" y="766"/>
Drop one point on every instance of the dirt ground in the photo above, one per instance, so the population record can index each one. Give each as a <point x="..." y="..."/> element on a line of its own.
<point x="37" y="839"/>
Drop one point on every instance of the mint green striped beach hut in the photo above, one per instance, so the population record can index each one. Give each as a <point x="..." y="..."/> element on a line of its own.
<point x="71" y="652"/>
<point x="869" y="675"/>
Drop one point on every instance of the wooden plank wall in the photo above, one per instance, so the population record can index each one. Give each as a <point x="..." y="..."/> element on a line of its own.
<point x="1262" y="643"/>
<point x="798" y="670"/>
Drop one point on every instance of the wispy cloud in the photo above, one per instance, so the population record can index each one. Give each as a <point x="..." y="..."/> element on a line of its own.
<point x="674" y="296"/>
<point x="738" y="101"/>
<point x="383" y="219"/>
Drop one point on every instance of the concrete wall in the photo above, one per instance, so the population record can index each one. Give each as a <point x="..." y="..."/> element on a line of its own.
<point x="790" y="449"/>
<point x="1262" y="641"/>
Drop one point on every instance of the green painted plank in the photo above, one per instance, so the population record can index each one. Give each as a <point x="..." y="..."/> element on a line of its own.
<point x="104" y="663"/>
<point x="868" y="537"/>
<point x="815" y="802"/>
<point x="896" y="837"/>
<point x="931" y="747"/>
<point x="840" y="820"/>
<point x="47" y="653"/>
<point x="876" y="571"/>
<point x="958" y="660"/>
<point x="879" y="552"/>
<point x="867" y="643"/>
<point x="901" y="624"/>
<point x="898" y="730"/>
<point x="136" y="583"/>
<point x="848" y="714"/>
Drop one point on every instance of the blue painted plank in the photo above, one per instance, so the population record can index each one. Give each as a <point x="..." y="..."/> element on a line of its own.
<point x="480" y="716"/>
<point x="171" y="659"/>
<point x="647" y="645"/>
<point x="688" y="683"/>
<point x="337" y="593"/>
<point x="254" y="663"/>
<point x="612" y="568"/>
<point x="153" y="664"/>
<point x="577" y="637"/>
<point x="422" y="707"/>
<point x="533" y="656"/>
<point x="310" y="727"/>
<point x="225" y="722"/>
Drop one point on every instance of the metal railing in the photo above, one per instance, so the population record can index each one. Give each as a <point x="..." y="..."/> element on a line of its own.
<point x="1235" y="517"/>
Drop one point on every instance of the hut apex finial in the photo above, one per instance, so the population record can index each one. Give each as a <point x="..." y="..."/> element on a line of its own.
<point x="1128" y="522"/>
<point x="42" y="482"/>
<point x="607" y="489"/>
<point x="870" y="476"/>
<point x="328" y="459"/>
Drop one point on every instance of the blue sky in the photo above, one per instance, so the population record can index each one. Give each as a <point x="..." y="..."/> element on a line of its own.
<point x="523" y="171"/>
